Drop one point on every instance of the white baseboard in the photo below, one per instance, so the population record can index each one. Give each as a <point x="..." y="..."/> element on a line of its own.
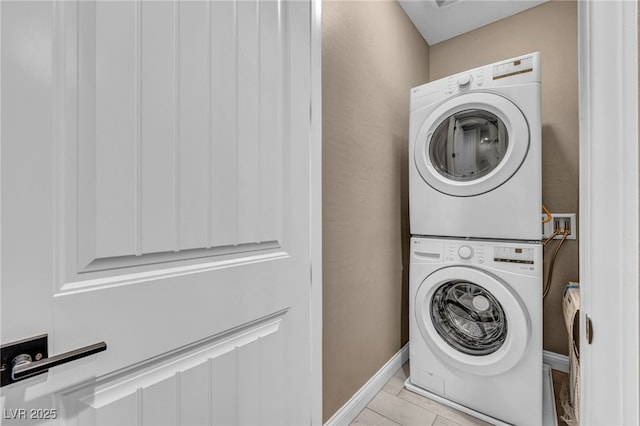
<point x="556" y="361"/>
<point x="349" y="411"/>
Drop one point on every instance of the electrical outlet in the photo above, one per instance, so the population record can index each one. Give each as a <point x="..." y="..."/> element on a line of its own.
<point x="560" y="221"/>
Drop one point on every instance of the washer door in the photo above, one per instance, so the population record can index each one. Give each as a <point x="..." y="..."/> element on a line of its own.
<point x="472" y="320"/>
<point x="471" y="144"/>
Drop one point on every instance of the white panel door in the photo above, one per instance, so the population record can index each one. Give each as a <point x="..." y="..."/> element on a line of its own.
<point x="156" y="196"/>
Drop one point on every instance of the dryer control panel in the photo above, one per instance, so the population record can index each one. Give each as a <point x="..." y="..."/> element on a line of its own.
<point x="513" y="67"/>
<point x="515" y="71"/>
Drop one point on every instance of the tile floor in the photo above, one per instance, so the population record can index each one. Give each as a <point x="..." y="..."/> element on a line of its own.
<point x="396" y="406"/>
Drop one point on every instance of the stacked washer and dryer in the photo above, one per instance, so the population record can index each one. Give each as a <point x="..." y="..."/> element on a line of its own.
<point x="475" y="276"/>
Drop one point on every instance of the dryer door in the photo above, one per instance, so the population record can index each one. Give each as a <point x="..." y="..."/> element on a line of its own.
<point x="471" y="144"/>
<point x="472" y="320"/>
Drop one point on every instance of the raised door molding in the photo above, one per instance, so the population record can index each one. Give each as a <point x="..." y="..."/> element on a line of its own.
<point x="233" y="378"/>
<point x="173" y="120"/>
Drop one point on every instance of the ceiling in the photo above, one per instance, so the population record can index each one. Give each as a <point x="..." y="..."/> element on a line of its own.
<point x="440" y="20"/>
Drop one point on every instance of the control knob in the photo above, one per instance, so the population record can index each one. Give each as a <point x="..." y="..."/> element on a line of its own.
<point x="464" y="80"/>
<point x="465" y="252"/>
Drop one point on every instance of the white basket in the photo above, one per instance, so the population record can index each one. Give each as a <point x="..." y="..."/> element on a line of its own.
<point x="571" y="312"/>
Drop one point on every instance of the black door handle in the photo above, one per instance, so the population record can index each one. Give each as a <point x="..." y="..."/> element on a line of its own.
<point x="28" y="357"/>
<point x="22" y="370"/>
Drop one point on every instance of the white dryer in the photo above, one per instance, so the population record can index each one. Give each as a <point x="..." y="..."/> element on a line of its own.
<point x="475" y="153"/>
<point x="475" y="325"/>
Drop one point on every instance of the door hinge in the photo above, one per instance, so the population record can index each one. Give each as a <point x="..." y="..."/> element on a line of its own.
<point x="589" y="329"/>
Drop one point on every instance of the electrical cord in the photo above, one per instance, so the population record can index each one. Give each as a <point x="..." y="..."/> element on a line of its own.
<point x="565" y="234"/>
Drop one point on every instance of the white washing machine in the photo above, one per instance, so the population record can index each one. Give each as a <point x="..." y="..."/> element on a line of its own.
<point x="475" y="325"/>
<point x="475" y="153"/>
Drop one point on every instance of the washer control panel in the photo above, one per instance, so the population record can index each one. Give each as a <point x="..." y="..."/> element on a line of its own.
<point x="523" y="255"/>
<point x="523" y="258"/>
<point x="518" y="257"/>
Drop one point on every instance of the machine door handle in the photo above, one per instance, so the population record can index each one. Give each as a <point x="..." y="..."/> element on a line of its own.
<point x="28" y="357"/>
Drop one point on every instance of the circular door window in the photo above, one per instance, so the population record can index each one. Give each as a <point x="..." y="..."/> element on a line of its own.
<point x="468" y="145"/>
<point x="468" y="318"/>
<point x="471" y="144"/>
<point x="472" y="320"/>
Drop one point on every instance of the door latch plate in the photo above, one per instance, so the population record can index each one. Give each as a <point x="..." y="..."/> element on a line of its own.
<point x="35" y="347"/>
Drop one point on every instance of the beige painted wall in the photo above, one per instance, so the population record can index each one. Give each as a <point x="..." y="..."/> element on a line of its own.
<point x="552" y="30"/>
<point x="371" y="56"/>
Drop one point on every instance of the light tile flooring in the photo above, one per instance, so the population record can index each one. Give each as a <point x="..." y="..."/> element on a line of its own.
<point x="396" y="406"/>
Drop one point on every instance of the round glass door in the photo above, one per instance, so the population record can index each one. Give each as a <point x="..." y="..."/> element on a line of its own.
<point x="468" y="318"/>
<point x="471" y="320"/>
<point x="468" y="145"/>
<point x="471" y="144"/>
